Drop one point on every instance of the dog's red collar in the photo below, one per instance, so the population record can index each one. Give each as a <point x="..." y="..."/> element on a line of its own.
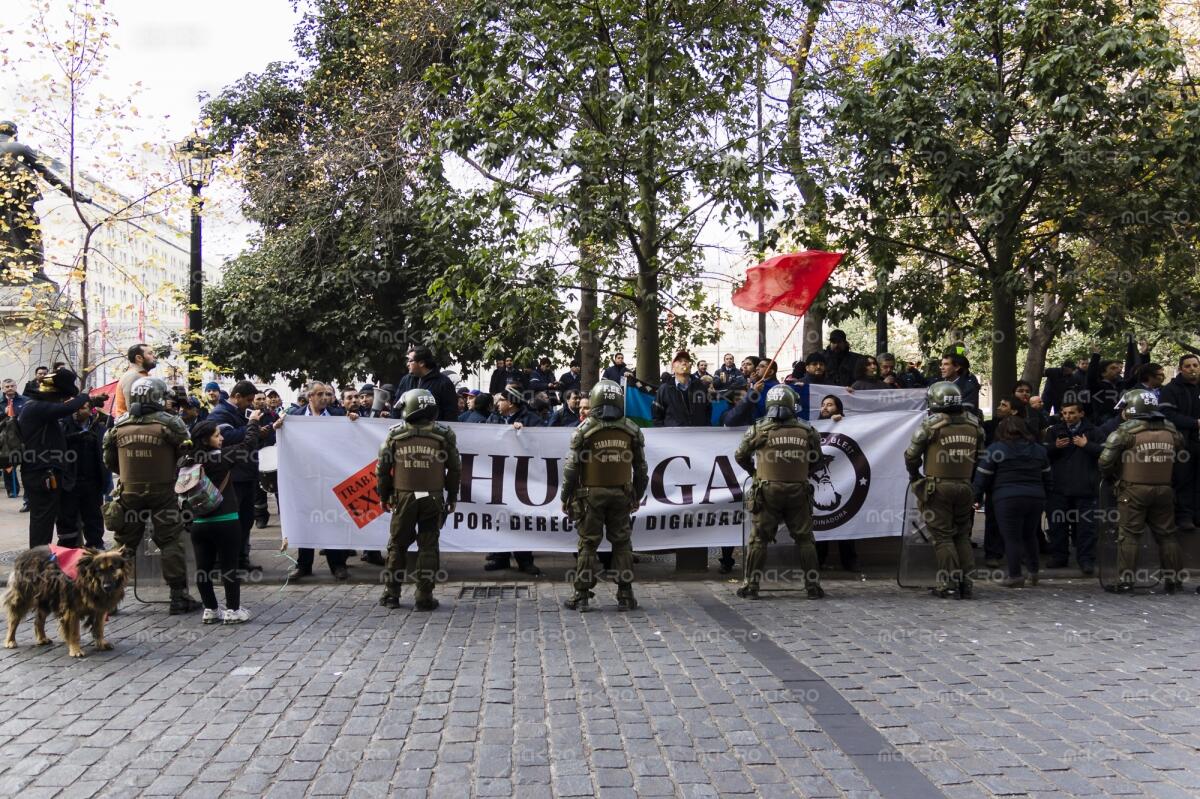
<point x="67" y="559"/>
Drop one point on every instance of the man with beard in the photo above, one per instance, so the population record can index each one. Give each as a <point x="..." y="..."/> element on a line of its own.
<point x="142" y="361"/>
<point x="840" y="363"/>
<point x="1180" y="403"/>
<point x="567" y="414"/>
<point x="424" y="372"/>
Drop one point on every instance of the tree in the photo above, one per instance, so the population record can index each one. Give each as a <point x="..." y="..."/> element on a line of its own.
<point x="73" y="119"/>
<point x="625" y="124"/>
<point x="991" y="146"/>
<point x="364" y="249"/>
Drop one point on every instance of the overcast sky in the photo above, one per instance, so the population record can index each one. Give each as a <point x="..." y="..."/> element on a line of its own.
<point x="177" y="50"/>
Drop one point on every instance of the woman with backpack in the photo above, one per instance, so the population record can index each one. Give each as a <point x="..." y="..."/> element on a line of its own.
<point x="217" y="533"/>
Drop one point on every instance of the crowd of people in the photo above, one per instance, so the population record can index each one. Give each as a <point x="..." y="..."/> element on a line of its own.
<point x="1038" y="485"/>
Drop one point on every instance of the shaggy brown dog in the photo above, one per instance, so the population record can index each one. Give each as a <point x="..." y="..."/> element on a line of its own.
<point x="37" y="583"/>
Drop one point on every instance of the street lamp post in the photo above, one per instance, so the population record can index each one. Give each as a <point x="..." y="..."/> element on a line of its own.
<point x="196" y="158"/>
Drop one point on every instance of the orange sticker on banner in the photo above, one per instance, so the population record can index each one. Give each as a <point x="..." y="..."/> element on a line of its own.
<point x="359" y="495"/>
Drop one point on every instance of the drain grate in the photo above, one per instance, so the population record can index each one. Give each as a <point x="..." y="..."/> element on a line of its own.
<point x="497" y="592"/>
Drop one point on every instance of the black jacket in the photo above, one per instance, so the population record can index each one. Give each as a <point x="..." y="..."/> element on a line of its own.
<point x="526" y="417"/>
<point x="740" y="414"/>
<point x="1074" y="468"/>
<point x="563" y="417"/>
<point x="1013" y="469"/>
<point x="246" y="468"/>
<point x="437" y="384"/>
<point x="840" y="368"/>
<point x="86" y="463"/>
<point x="1102" y="393"/>
<point x="968" y="384"/>
<point x="1179" y="401"/>
<point x="568" y="381"/>
<point x="615" y="373"/>
<point x="472" y="417"/>
<point x="496" y="384"/>
<point x="687" y="408"/>
<point x="1058" y="384"/>
<point x="45" y="444"/>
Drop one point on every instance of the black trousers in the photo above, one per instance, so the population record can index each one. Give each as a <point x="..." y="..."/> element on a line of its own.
<point x="12" y="484"/>
<point x="245" y="493"/>
<point x="1185" y="481"/>
<point x="336" y="558"/>
<point x="80" y="507"/>
<point x="45" y="505"/>
<point x="218" y="543"/>
<point x="523" y="558"/>
<point x="847" y="553"/>
<point x="726" y="556"/>
<point x="993" y="541"/>
<point x="1020" y="523"/>
<point x="262" y="512"/>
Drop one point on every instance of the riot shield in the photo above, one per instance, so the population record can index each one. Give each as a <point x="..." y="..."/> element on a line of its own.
<point x="148" y="585"/>
<point x="1148" y="564"/>
<point x="917" y="564"/>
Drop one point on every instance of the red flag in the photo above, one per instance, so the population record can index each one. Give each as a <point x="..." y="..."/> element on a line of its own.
<point x="111" y="390"/>
<point x="787" y="283"/>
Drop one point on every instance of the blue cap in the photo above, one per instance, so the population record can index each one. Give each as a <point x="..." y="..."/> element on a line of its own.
<point x="212" y="386"/>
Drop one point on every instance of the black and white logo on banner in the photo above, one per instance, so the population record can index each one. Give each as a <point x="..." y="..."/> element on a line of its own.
<point x="841" y="481"/>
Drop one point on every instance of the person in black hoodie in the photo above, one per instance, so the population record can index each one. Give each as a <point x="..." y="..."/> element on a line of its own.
<point x="43" y="460"/>
<point x="683" y="400"/>
<point x="86" y="474"/>
<point x="1179" y="401"/>
<point x="840" y="363"/>
<point x="1015" y="472"/>
<point x="217" y="535"/>
<point x="1073" y="446"/>
<point x="481" y="409"/>
<point x="424" y="372"/>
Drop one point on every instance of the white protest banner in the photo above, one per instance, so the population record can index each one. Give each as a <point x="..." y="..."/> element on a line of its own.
<point x="511" y="479"/>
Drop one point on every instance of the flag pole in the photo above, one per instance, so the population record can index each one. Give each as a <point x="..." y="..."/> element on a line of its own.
<point x="786" y="338"/>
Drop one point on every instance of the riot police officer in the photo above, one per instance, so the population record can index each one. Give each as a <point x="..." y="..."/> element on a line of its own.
<point x="948" y="444"/>
<point x="777" y="452"/>
<point x="143" y="448"/>
<point x="603" y="481"/>
<point x="1140" y="456"/>
<point x="418" y="479"/>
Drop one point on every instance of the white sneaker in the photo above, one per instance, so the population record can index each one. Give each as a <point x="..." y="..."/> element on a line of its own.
<point x="239" y="616"/>
<point x="211" y="616"/>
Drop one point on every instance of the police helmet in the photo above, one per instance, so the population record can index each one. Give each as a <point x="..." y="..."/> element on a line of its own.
<point x="607" y="401"/>
<point x="419" y="405"/>
<point x="781" y="403"/>
<point x="147" y="395"/>
<point x="1139" y="403"/>
<point x="944" y="396"/>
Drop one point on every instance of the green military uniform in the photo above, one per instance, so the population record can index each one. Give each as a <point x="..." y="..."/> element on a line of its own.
<point x="947" y="445"/>
<point x="1140" y="456"/>
<point x="603" y="481"/>
<point x="778" y="452"/>
<point x="144" y="450"/>
<point x="418" y="476"/>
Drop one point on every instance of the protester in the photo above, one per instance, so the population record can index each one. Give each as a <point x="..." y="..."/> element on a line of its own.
<point x="1026" y="405"/>
<point x="567" y="415"/>
<point x="956" y="369"/>
<point x="11" y="404"/>
<point x="570" y="380"/>
<point x="1016" y="473"/>
<point x="866" y="375"/>
<point x="232" y="412"/>
<point x="1073" y="446"/>
<point x="142" y="361"/>
<point x="85" y="476"/>
<point x="617" y="371"/>
<point x="727" y="373"/>
<point x="840" y="363"/>
<point x="217" y="535"/>
<point x="683" y="401"/>
<point x="44" y="460"/>
<point x="911" y="377"/>
<point x="481" y="409"/>
<point x="498" y="378"/>
<point x="1179" y="401"/>
<point x="1060" y="381"/>
<point x="740" y="412"/>
<point x="831" y="408"/>
<point x="511" y="410"/>
<point x="31" y="386"/>
<point x="424" y="372"/>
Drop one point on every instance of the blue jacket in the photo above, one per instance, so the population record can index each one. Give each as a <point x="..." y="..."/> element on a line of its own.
<point x="473" y="417"/>
<point x="1012" y="469"/>
<point x="18" y="403"/>
<point x="1075" y="471"/>
<point x="246" y="468"/>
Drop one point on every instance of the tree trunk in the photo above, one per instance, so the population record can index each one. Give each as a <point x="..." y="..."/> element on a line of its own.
<point x="881" y="309"/>
<point x="1043" y="329"/>
<point x="589" y="260"/>
<point x="647" y="337"/>
<point x="1004" y="338"/>
<point x="814" y="330"/>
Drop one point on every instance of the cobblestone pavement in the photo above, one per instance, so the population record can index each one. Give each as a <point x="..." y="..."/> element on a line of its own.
<point x="1056" y="690"/>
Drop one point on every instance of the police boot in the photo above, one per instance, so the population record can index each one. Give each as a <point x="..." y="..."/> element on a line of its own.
<point x="426" y="603"/>
<point x="625" y="600"/>
<point x="1173" y="586"/>
<point x="815" y="591"/>
<point x="1123" y="587"/>
<point x="182" y="603"/>
<point x="748" y="591"/>
<point x="389" y="600"/>
<point x="579" y="601"/>
<point x="965" y="589"/>
<point x="941" y="592"/>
